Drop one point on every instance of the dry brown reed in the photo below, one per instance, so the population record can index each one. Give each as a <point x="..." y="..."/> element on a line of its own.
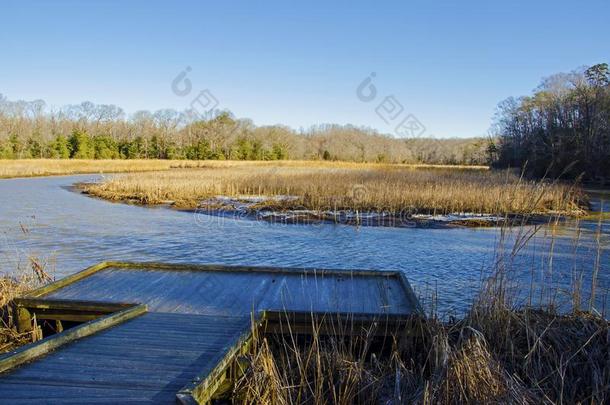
<point x="499" y="352"/>
<point x="342" y="186"/>
<point x="52" y="167"/>
<point x="30" y="272"/>
<point x="49" y="167"/>
<point x="12" y="286"/>
<point x="498" y="356"/>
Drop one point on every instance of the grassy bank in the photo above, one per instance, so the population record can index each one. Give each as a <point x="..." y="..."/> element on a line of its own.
<point x="325" y="186"/>
<point x="55" y="167"/>
<point x="52" y="167"/>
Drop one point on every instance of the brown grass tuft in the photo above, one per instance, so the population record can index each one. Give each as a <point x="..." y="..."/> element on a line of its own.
<point x="31" y="272"/>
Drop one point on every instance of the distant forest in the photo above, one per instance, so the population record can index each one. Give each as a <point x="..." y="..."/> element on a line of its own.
<point x="561" y="130"/>
<point x="90" y="131"/>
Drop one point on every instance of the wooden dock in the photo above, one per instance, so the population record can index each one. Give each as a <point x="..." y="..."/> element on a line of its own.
<point x="160" y="333"/>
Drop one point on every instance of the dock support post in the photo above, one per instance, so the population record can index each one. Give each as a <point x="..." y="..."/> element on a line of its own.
<point x="24" y="319"/>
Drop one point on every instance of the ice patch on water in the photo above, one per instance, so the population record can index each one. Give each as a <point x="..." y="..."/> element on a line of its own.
<point x="244" y="202"/>
<point x="465" y="216"/>
<point x="248" y="204"/>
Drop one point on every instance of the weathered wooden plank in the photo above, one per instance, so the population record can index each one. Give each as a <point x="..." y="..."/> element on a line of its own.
<point x="149" y="380"/>
<point x="49" y="391"/>
<point x="62" y="310"/>
<point x="236" y="294"/>
<point x="64" y="316"/>
<point x="148" y="362"/>
<point x="67" y="280"/>
<point x="168" y="362"/>
<point x="52" y="393"/>
<point x="76" y="305"/>
<point x="118" y="380"/>
<point x="203" y="387"/>
<point x="158" y="348"/>
<point x="173" y="290"/>
<point x="344" y="324"/>
<point x="29" y="352"/>
<point x="247" y="269"/>
<point x="414" y="301"/>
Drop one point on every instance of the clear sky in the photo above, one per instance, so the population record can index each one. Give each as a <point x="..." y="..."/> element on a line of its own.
<point x="299" y="63"/>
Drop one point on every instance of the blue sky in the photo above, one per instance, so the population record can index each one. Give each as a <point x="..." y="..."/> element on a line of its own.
<point x="447" y="63"/>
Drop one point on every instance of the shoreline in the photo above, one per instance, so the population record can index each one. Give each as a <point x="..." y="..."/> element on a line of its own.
<point x="62" y="167"/>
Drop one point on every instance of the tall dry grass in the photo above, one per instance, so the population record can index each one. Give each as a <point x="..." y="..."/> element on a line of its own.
<point x="33" y="275"/>
<point x="327" y="187"/>
<point x="30" y="272"/>
<point x="501" y="351"/>
<point x="498" y="356"/>
<point x="50" y="167"/>
<point x="504" y="356"/>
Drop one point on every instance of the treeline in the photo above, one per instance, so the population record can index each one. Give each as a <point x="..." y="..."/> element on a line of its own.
<point x="90" y="131"/>
<point x="562" y="130"/>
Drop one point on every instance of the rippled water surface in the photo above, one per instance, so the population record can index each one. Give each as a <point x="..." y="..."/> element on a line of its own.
<point x="41" y="217"/>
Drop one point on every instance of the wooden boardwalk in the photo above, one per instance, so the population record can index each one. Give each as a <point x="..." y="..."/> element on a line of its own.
<point x="170" y="333"/>
<point x="146" y="359"/>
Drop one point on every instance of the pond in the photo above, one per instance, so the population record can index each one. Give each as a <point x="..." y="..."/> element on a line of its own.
<point x="44" y="218"/>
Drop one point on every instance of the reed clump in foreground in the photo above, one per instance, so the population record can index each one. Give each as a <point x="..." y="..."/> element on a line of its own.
<point x="356" y="187"/>
<point x="494" y="355"/>
<point x="499" y="352"/>
<point x="26" y="278"/>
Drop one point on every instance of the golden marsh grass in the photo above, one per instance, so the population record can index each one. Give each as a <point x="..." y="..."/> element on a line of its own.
<point x="497" y="356"/>
<point x="55" y="167"/>
<point x="51" y="167"/>
<point x="346" y="186"/>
